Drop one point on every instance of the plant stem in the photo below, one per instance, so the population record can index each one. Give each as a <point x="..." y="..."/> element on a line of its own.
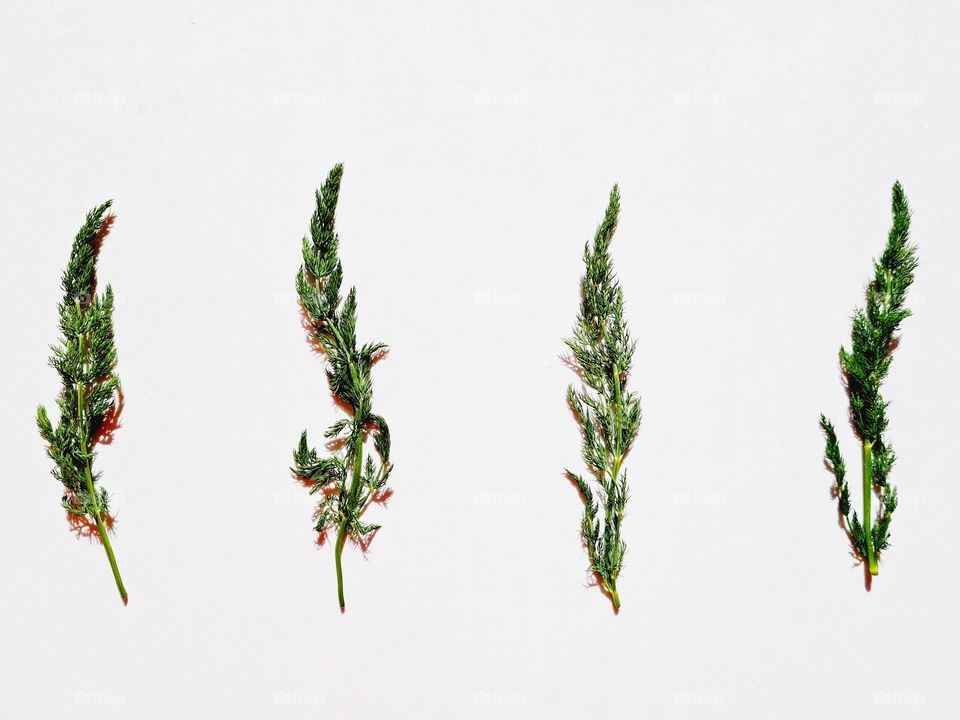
<point x="104" y="538"/>
<point x="612" y="488"/>
<point x="615" y="595"/>
<point x="338" y="551"/>
<point x="616" y="400"/>
<point x="342" y="532"/>
<point x="867" y="513"/>
<point x="612" y="585"/>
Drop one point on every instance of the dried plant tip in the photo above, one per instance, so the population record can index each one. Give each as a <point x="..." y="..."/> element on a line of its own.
<point x="608" y="413"/>
<point x="85" y="359"/>
<point x="346" y="483"/>
<point x="865" y="366"/>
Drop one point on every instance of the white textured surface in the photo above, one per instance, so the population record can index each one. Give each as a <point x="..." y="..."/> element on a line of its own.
<point x="755" y="146"/>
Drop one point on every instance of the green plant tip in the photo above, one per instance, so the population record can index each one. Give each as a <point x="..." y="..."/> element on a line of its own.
<point x="347" y="482"/>
<point x="865" y="366"/>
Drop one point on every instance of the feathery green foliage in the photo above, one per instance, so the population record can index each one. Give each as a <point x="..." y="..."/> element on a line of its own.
<point x="85" y="359"/>
<point x="608" y="414"/>
<point x="348" y="484"/>
<point x="865" y="366"/>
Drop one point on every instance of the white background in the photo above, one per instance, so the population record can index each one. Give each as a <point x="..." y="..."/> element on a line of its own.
<point x="755" y="145"/>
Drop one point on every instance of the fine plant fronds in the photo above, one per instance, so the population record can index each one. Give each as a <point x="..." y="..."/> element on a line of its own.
<point x="347" y="481"/>
<point x="608" y="413"/>
<point x="865" y="366"/>
<point x="85" y="359"/>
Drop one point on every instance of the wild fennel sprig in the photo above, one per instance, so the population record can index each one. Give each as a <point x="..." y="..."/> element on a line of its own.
<point x="608" y="414"/>
<point x="348" y="483"/>
<point x="85" y="359"/>
<point x="873" y="340"/>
